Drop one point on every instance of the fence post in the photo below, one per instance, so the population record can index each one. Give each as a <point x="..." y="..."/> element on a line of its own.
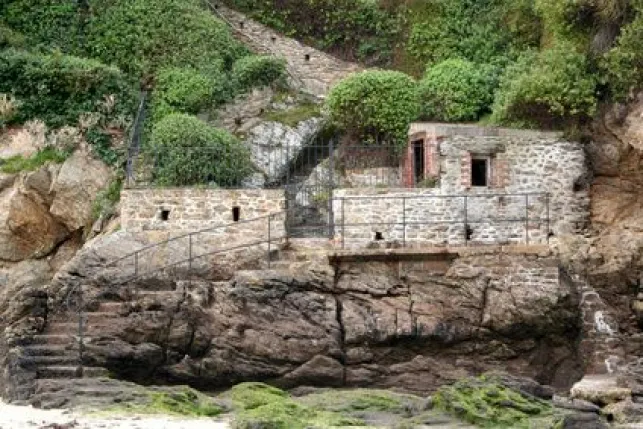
<point x="527" y="219"/>
<point x="269" y="240"/>
<point x="343" y="223"/>
<point x="81" y="327"/>
<point x="403" y="221"/>
<point x="466" y="221"/>
<point x="190" y="258"/>
<point x="331" y="187"/>
<point x="547" y="215"/>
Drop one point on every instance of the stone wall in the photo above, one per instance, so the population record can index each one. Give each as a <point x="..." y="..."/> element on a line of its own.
<point x="525" y="165"/>
<point x="311" y="70"/>
<point x="196" y="209"/>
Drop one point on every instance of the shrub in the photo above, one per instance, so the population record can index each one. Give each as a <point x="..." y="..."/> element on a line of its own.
<point x="481" y="31"/>
<point x="8" y="109"/>
<point x="181" y="90"/>
<point x="256" y="70"/>
<point x="375" y="104"/>
<point x="456" y="90"/>
<point x="190" y="152"/>
<point x="142" y="36"/>
<point x="550" y="89"/>
<point x="59" y="88"/>
<point x="10" y="38"/>
<point x="45" y="23"/>
<point x="18" y="163"/>
<point x="623" y="65"/>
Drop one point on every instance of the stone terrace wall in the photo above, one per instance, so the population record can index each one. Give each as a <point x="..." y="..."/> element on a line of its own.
<point x="533" y="163"/>
<point x="314" y="72"/>
<point x="196" y="209"/>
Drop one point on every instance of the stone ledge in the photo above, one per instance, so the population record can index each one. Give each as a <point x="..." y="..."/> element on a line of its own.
<point x="420" y="253"/>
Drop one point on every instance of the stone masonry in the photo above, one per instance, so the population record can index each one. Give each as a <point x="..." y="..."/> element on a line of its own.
<point x="311" y="71"/>
<point x="513" y="208"/>
<point x="195" y="209"/>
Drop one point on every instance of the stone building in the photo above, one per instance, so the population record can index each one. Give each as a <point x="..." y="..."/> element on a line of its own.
<point x="461" y="183"/>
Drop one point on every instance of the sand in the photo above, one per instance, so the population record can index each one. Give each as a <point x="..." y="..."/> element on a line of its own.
<point x="22" y="417"/>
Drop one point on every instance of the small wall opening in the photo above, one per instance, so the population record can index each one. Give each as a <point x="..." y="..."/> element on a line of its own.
<point x="241" y="24"/>
<point x="165" y="215"/>
<point x="236" y="214"/>
<point x="469" y="232"/>
<point x="379" y="236"/>
<point x="273" y="39"/>
<point x="418" y="160"/>
<point x="480" y="172"/>
<point x="307" y="57"/>
<point x="237" y="122"/>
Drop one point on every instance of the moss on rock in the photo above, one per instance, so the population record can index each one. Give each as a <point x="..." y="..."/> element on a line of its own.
<point x="485" y="402"/>
<point x="257" y="405"/>
<point x="181" y="401"/>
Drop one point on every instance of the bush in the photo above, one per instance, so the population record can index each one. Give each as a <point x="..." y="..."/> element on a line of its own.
<point x="375" y="104"/>
<point x="190" y="152"/>
<point x="142" y="36"/>
<point x="456" y="90"/>
<point x="255" y="70"/>
<point x="8" y="108"/>
<point x="550" y="89"/>
<point x="54" y="24"/>
<point x="623" y="65"/>
<point x="481" y="31"/>
<point x="182" y="90"/>
<point x="59" y="88"/>
<point x="10" y="38"/>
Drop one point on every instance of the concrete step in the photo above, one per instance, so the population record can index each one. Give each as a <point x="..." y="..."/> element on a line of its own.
<point x="70" y="371"/>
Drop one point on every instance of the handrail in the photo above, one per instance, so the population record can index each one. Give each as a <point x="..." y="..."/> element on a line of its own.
<point x="134" y="140"/>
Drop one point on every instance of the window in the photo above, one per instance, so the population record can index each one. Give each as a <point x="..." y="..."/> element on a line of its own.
<point x="418" y="160"/>
<point x="165" y="215"/>
<point x="480" y="171"/>
<point x="236" y="214"/>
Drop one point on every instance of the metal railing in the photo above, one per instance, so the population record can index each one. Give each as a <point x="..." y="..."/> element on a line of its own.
<point x="461" y="204"/>
<point x="135" y="138"/>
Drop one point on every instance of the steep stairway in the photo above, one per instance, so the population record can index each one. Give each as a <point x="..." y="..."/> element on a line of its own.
<point x="311" y="71"/>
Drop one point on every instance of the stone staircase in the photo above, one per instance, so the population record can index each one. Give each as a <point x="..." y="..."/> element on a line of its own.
<point x="60" y="377"/>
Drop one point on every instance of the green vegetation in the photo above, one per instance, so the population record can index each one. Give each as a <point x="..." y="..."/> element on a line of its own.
<point x="549" y="89"/>
<point x="107" y="199"/>
<point x="363" y="400"/>
<point x="182" y="401"/>
<point x="364" y="30"/>
<point x="18" y="163"/>
<point x="624" y="63"/>
<point x="189" y="152"/>
<point x="8" y="109"/>
<point x="375" y="105"/>
<point x="183" y="90"/>
<point x="456" y="90"/>
<point x="257" y="71"/>
<point x="59" y="88"/>
<point x="292" y="117"/>
<point x="10" y="38"/>
<point x="485" y="402"/>
<point x="259" y="405"/>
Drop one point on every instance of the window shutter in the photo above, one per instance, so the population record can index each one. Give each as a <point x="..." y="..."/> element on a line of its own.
<point x="465" y="170"/>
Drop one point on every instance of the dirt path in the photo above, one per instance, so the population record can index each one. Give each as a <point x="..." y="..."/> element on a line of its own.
<point x="20" y="417"/>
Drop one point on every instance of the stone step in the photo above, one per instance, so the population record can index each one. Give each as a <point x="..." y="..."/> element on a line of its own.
<point x="64" y="360"/>
<point x="70" y="371"/>
<point x="100" y="316"/>
<point x="111" y="306"/>
<point x="51" y="339"/>
<point x="48" y="350"/>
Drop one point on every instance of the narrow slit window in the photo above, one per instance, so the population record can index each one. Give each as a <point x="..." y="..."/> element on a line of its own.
<point x="165" y="215"/>
<point x="480" y="172"/>
<point x="236" y="214"/>
<point x="379" y="236"/>
<point x="307" y="57"/>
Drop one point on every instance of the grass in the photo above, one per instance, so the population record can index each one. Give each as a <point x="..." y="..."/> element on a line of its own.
<point x="294" y="116"/>
<point x="18" y="163"/>
<point x="257" y="405"/>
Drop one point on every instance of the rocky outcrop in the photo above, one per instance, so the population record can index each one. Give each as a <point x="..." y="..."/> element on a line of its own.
<point x="414" y="325"/>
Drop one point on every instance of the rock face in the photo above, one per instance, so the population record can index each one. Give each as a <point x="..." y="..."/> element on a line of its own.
<point x="75" y="188"/>
<point x="413" y="325"/>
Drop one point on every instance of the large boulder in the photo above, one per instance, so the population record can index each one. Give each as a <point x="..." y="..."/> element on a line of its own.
<point x="76" y="187"/>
